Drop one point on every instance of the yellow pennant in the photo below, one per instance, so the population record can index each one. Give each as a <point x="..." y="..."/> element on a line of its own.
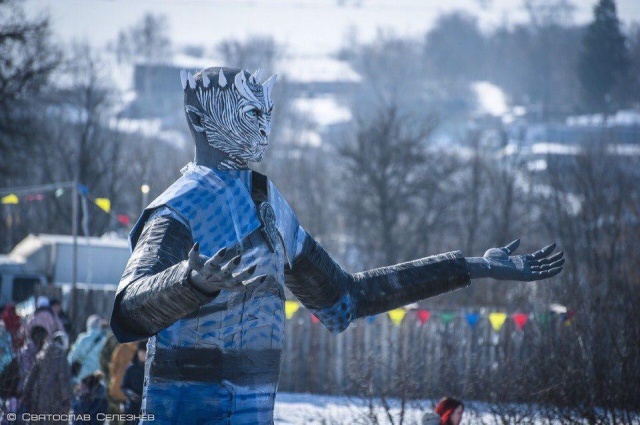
<point x="290" y="308"/>
<point x="104" y="204"/>
<point x="497" y="320"/>
<point x="397" y="315"/>
<point x="10" y="199"/>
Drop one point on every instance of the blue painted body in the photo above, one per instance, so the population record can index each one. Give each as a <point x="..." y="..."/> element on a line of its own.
<point x="217" y="207"/>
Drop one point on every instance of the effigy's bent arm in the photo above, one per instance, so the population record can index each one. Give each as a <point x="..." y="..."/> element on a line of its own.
<point x="337" y="298"/>
<point x="155" y="290"/>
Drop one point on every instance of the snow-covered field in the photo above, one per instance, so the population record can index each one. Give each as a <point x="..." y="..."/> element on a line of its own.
<point x="321" y="409"/>
<point x="312" y="409"/>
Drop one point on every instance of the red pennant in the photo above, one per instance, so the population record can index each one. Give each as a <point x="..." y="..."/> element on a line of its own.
<point x="124" y="219"/>
<point x="35" y="197"/>
<point x="314" y="319"/>
<point x="520" y="319"/>
<point x="423" y="316"/>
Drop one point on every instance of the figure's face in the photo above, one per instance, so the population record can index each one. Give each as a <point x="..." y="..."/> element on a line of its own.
<point x="456" y="416"/>
<point x="235" y="115"/>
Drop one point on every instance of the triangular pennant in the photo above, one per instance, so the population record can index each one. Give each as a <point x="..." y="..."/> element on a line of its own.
<point x="371" y="319"/>
<point x="447" y="317"/>
<point x="124" y="219"/>
<point x="290" y="308"/>
<point x="543" y="318"/>
<point x="314" y="319"/>
<point x="396" y="315"/>
<point x="84" y="190"/>
<point x="472" y="319"/>
<point x="104" y="204"/>
<point x="35" y="197"/>
<point x="10" y="200"/>
<point x="520" y="319"/>
<point x="497" y="320"/>
<point x="59" y="192"/>
<point x="567" y="318"/>
<point x="423" y="316"/>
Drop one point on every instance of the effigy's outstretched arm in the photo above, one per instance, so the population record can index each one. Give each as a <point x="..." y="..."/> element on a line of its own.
<point x="337" y="298"/>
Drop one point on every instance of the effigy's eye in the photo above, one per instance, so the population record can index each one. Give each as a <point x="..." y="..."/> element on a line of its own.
<point x="252" y="113"/>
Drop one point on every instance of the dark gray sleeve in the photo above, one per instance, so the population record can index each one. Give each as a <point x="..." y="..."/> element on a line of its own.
<point x="320" y="283"/>
<point x="155" y="290"/>
<point x="379" y="290"/>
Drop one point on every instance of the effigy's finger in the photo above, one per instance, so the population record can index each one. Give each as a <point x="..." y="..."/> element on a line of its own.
<point x="542" y="253"/>
<point x="245" y="273"/>
<point x="551" y="259"/>
<point x="511" y="247"/>
<point x="553" y="265"/>
<point x="238" y="283"/>
<point x="194" y="257"/>
<point x="228" y="268"/>
<point x="547" y="273"/>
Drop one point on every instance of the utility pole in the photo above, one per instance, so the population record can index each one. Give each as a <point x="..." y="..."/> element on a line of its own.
<point x="74" y="260"/>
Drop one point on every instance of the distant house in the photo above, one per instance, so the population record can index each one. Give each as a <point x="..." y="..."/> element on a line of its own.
<point x="48" y="259"/>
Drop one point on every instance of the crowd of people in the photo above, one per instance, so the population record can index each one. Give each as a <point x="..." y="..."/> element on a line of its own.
<point x="41" y="374"/>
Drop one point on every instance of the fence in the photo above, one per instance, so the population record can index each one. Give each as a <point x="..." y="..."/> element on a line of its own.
<point x="444" y="354"/>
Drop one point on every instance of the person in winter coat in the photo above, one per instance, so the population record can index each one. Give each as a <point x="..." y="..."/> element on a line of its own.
<point x="450" y="410"/>
<point x="14" y="325"/>
<point x="120" y="359"/>
<point x="430" y="419"/>
<point x="45" y="317"/>
<point x="56" y="308"/>
<point x="133" y="380"/>
<point x="48" y="386"/>
<point x="27" y="355"/>
<point x="86" y="349"/>
<point x="91" y="399"/>
<point x="6" y="347"/>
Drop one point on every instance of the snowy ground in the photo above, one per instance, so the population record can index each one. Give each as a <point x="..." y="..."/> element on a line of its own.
<point x="320" y="409"/>
<point x="311" y="409"/>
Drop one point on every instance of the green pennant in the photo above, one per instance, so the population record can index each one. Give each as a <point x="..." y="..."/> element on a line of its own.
<point x="543" y="318"/>
<point x="447" y="317"/>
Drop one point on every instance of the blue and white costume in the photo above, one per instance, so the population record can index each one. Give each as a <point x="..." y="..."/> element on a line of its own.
<point x="214" y="356"/>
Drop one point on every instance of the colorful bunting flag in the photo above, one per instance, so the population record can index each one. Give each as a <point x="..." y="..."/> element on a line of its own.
<point x="472" y="319"/>
<point x="59" y="192"/>
<point x="124" y="219"/>
<point x="543" y="318"/>
<point x="104" y="204"/>
<point x="447" y="317"/>
<point x="567" y="318"/>
<point x="10" y="200"/>
<point x="371" y="319"/>
<point x="314" y="319"/>
<point x="35" y="197"/>
<point x="423" y="316"/>
<point x="290" y="308"/>
<point x="396" y="315"/>
<point x="520" y="319"/>
<point x="84" y="190"/>
<point x="497" y="320"/>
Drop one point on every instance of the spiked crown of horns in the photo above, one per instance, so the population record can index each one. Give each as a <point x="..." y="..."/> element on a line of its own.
<point x="240" y="81"/>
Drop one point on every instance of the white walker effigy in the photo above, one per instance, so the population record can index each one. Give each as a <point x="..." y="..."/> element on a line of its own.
<point x="213" y="254"/>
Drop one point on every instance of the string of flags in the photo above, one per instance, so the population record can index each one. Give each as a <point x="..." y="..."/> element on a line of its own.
<point x="497" y="319"/>
<point x="37" y="193"/>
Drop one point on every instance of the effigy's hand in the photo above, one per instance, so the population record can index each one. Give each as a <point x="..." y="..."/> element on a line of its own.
<point x="498" y="263"/>
<point x="222" y="271"/>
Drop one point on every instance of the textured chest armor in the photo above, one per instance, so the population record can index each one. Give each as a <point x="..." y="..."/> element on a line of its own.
<point x="234" y="342"/>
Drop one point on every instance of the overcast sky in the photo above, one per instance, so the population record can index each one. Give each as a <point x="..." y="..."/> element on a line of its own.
<point x="305" y="26"/>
